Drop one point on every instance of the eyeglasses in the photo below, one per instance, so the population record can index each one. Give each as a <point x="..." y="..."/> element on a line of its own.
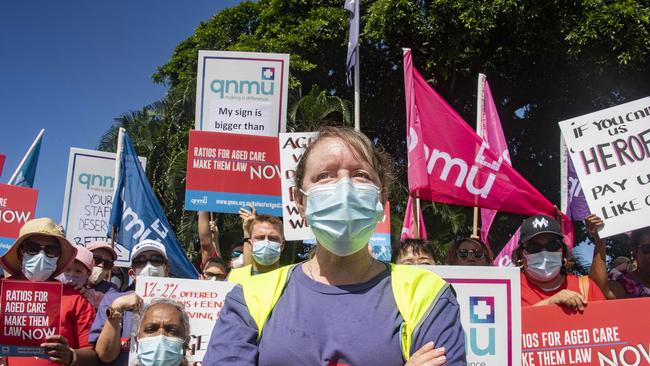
<point x="105" y="263"/>
<point x="533" y="247"/>
<point x="645" y="248"/>
<point x="464" y="253"/>
<point x="141" y="261"/>
<point x="33" y="248"/>
<point x="210" y="275"/>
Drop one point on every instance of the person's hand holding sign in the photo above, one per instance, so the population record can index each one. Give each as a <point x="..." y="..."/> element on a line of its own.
<point x="247" y="218"/>
<point x="568" y="298"/>
<point x="58" y="349"/>
<point x="428" y="355"/>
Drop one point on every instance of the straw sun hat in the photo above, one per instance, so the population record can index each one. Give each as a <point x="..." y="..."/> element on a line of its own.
<point x="11" y="261"/>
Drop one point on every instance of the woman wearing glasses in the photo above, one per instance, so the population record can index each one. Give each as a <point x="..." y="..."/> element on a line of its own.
<point x="634" y="283"/>
<point x="469" y="252"/>
<point x="41" y="253"/>
<point x="544" y="281"/>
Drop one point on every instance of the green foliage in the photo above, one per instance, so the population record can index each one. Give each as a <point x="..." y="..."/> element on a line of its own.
<point x="545" y="60"/>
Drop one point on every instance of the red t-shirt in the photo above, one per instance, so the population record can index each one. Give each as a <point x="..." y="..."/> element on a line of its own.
<point x="77" y="315"/>
<point x="531" y="294"/>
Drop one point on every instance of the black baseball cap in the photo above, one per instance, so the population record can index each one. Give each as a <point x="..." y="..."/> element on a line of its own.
<point x="539" y="224"/>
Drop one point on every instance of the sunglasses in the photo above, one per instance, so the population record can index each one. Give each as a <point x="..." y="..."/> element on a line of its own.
<point x="645" y="248"/>
<point x="155" y="260"/>
<point x="533" y="247"/>
<point x="105" y="263"/>
<point x="33" y="248"/>
<point x="235" y="254"/>
<point x="464" y="253"/>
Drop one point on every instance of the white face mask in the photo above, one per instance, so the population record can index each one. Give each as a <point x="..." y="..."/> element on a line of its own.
<point x="237" y="262"/>
<point x="543" y="266"/>
<point x="343" y="215"/>
<point x="39" y="267"/>
<point x="98" y="275"/>
<point x="151" y="271"/>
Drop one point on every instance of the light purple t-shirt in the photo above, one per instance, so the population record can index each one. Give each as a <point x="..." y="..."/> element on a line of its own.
<point x="318" y="324"/>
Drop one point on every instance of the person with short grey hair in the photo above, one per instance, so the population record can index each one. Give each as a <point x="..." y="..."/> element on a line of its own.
<point x="162" y="334"/>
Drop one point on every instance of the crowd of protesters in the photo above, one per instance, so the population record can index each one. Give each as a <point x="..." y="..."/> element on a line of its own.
<point x="340" y="306"/>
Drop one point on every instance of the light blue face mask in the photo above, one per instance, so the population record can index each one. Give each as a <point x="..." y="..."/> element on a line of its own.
<point x="38" y="267"/>
<point x="266" y="252"/>
<point x="160" y="351"/>
<point x="343" y="215"/>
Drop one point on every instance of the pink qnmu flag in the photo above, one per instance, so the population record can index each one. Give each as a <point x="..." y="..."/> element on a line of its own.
<point x="408" y="227"/>
<point x="492" y="134"/>
<point x="448" y="162"/>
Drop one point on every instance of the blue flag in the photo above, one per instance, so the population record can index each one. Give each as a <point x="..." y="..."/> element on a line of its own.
<point x="26" y="171"/>
<point x="137" y="215"/>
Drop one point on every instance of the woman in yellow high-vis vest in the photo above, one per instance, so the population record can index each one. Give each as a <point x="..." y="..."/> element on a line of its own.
<point x="341" y="307"/>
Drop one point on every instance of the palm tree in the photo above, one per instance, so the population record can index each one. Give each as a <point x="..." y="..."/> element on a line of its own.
<point x="307" y="113"/>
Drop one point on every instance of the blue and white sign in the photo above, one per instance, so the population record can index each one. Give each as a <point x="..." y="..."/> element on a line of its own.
<point x="242" y="92"/>
<point x="89" y="196"/>
<point x="490" y="311"/>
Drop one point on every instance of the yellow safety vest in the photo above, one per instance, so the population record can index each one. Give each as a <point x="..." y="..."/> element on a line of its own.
<point x="416" y="292"/>
<point x="237" y="275"/>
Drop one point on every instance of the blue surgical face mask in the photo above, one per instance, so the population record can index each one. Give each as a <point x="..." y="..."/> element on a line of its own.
<point x="266" y="252"/>
<point x="343" y="215"/>
<point x="543" y="266"/>
<point x="160" y="351"/>
<point x="38" y="267"/>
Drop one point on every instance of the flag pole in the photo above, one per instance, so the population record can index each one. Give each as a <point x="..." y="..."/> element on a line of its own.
<point x="118" y="166"/>
<point x="564" y="173"/>
<point x="357" y="91"/>
<point x="415" y="216"/>
<point x="479" y="131"/>
<point x="29" y="151"/>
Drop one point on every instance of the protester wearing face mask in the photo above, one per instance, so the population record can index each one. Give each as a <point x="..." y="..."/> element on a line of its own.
<point x="162" y="338"/>
<point x="42" y="253"/>
<point x="469" y="252"/>
<point x="78" y="273"/>
<point x="112" y="328"/>
<point x="341" y="306"/>
<point x="104" y="257"/>
<point x="544" y="281"/>
<point x="265" y="245"/>
<point x="215" y="269"/>
<point x="236" y="256"/>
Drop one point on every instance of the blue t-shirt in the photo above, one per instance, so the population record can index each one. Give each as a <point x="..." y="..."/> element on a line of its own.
<point x="318" y="324"/>
<point x="100" y="321"/>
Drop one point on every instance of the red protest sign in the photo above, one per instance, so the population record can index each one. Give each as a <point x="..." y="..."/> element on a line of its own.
<point x="2" y="163"/>
<point x="17" y="206"/>
<point x="227" y="171"/>
<point x="29" y="313"/>
<point x="607" y="333"/>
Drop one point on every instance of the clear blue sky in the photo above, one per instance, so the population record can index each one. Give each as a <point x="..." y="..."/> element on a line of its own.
<point x="72" y="66"/>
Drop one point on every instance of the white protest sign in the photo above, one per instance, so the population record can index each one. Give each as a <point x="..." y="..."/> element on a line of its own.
<point x="203" y="301"/>
<point x="89" y="196"/>
<point x="242" y="92"/>
<point x="292" y="145"/>
<point x="490" y="312"/>
<point x="610" y="150"/>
